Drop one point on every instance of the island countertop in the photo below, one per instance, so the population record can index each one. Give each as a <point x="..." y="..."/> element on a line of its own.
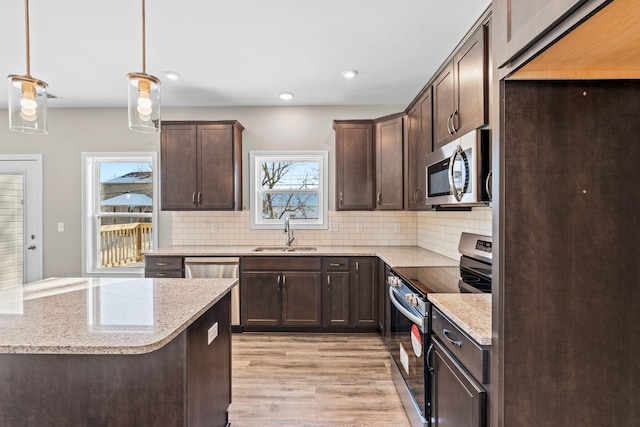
<point x="394" y="256"/>
<point x="102" y="315"/>
<point x="470" y="312"/>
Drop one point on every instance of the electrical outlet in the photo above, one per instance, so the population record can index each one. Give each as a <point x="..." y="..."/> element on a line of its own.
<point x="214" y="228"/>
<point x="212" y="333"/>
<point x="359" y="227"/>
<point x="333" y="226"/>
<point x="60" y="227"/>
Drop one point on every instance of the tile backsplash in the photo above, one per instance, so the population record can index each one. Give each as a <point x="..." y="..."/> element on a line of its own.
<point x="434" y="230"/>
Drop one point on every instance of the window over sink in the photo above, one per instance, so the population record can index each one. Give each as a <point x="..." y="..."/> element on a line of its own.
<point x="119" y="212"/>
<point x="289" y="184"/>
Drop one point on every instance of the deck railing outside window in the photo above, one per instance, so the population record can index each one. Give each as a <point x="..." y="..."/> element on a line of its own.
<point x="123" y="244"/>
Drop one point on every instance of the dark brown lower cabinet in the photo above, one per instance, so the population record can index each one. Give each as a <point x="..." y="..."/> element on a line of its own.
<point x="336" y="299"/>
<point x="280" y="292"/>
<point x="187" y="382"/>
<point x="364" y="292"/>
<point x="457" y="400"/>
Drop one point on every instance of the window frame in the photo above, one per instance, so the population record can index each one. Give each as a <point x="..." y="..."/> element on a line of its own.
<point x="91" y="211"/>
<point x="256" y="158"/>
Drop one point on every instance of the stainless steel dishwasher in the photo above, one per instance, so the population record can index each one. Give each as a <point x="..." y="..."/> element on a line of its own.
<point x="217" y="267"/>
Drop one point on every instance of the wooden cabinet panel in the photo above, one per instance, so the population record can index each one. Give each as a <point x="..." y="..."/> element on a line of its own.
<point x="354" y="165"/>
<point x="260" y="298"/>
<point x="301" y="299"/>
<point x="178" y="154"/>
<point x="163" y="266"/>
<point x="216" y="166"/>
<point x="389" y="164"/>
<point x="201" y="165"/>
<point x="364" y="292"/>
<point x="336" y="298"/>
<point x="460" y="92"/>
<point x="418" y="145"/>
<point x="443" y="107"/>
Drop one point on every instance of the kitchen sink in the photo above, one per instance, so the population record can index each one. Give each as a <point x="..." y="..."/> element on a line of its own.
<point x="284" y="249"/>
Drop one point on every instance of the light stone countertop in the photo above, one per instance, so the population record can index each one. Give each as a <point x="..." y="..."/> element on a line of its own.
<point x="102" y="316"/>
<point x="470" y="312"/>
<point x="394" y="256"/>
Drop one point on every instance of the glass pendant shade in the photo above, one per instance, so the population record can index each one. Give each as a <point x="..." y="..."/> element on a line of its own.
<point x="144" y="102"/>
<point x="27" y="104"/>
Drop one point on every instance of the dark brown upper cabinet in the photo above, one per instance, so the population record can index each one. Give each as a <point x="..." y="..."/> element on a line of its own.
<point x="355" y="151"/>
<point x="460" y="91"/>
<point x="201" y="165"/>
<point x="389" y="162"/>
<point x="418" y="144"/>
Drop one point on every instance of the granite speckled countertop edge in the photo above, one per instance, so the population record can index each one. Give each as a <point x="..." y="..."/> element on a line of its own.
<point x="470" y="312"/>
<point x="121" y="346"/>
<point x="394" y="256"/>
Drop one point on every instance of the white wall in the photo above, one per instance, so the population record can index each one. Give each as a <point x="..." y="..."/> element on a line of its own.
<point x="73" y="131"/>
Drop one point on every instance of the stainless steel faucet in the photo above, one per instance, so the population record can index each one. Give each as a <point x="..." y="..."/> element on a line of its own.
<point x="288" y="231"/>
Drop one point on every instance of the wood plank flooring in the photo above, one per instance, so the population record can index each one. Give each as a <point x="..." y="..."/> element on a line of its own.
<point x="312" y="380"/>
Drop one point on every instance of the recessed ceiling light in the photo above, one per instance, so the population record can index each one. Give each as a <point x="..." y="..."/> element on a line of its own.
<point x="172" y="75"/>
<point x="349" y="74"/>
<point x="286" y="96"/>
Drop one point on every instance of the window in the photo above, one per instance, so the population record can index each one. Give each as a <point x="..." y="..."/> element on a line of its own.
<point x="119" y="211"/>
<point x="288" y="184"/>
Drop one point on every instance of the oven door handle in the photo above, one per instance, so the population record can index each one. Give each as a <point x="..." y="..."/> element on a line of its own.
<point x="414" y="318"/>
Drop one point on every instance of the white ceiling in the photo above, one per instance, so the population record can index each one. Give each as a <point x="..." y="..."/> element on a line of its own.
<point x="235" y="52"/>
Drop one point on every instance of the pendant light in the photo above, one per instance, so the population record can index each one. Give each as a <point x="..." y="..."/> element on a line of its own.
<point x="27" y="96"/>
<point x="144" y="94"/>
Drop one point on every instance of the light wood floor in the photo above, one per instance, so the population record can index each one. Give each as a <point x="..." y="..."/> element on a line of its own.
<point x="313" y="380"/>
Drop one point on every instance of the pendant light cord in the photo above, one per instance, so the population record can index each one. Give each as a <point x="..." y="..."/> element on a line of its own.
<point x="144" y="42"/>
<point x="26" y="26"/>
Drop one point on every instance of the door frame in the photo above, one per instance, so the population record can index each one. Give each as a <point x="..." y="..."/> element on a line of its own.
<point x="37" y="158"/>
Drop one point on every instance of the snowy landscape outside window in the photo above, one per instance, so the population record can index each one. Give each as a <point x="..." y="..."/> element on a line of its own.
<point x="288" y="184"/>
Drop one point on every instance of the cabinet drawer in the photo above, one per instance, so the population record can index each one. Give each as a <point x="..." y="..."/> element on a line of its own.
<point x="158" y="263"/>
<point x="159" y="274"/>
<point x="472" y="356"/>
<point x="280" y="263"/>
<point x="335" y="264"/>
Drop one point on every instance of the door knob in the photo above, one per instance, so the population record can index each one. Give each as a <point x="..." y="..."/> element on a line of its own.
<point x="32" y="247"/>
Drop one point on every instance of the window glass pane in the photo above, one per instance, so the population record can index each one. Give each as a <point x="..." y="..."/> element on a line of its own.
<point x="297" y="205"/>
<point x="126" y="187"/>
<point x="290" y="175"/>
<point x="122" y="240"/>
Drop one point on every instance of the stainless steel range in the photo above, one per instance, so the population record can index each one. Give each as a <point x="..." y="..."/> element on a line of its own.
<point x="411" y="314"/>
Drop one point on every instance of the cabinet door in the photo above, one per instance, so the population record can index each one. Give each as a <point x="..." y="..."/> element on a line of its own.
<point x="443" y="107"/>
<point x="178" y="154"/>
<point x="522" y="22"/>
<point x="301" y="299"/>
<point x="419" y="143"/>
<point x="355" y="178"/>
<point x="260" y="298"/>
<point x="456" y="399"/>
<point x="470" y="62"/>
<point x="216" y="167"/>
<point x="364" y="292"/>
<point x="336" y="300"/>
<point x="389" y="167"/>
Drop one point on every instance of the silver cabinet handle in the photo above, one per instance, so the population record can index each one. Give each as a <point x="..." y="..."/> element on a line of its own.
<point x="448" y="335"/>
<point x="454" y="119"/>
<point x="335" y="264"/>
<point x="193" y="198"/>
<point x="357" y="267"/>
<point x="379" y="199"/>
<point x="162" y="263"/>
<point x="329" y="283"/>
<point x="199" y="197"/>
<point x="450" y="124"/>
<point x="341" y="201"/>
<point x="279" y="281"/>
<point x="487" y="185"/>
<point x="284" y="282"/>
<point x="162" y="274"/>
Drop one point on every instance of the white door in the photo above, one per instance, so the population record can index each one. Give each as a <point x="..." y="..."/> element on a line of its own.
<point x="20" y="219"/>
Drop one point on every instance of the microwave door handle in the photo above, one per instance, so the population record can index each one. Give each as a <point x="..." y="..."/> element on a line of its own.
<point x="487" y="185"/>
<point x="454" y="191"/>
<point x="415" y="319"/>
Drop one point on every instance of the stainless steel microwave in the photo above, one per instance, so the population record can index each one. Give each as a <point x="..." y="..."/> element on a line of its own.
<point x="459" y="173"/>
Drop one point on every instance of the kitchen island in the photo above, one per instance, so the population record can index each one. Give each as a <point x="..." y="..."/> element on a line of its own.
<point x="116" y="352"/>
